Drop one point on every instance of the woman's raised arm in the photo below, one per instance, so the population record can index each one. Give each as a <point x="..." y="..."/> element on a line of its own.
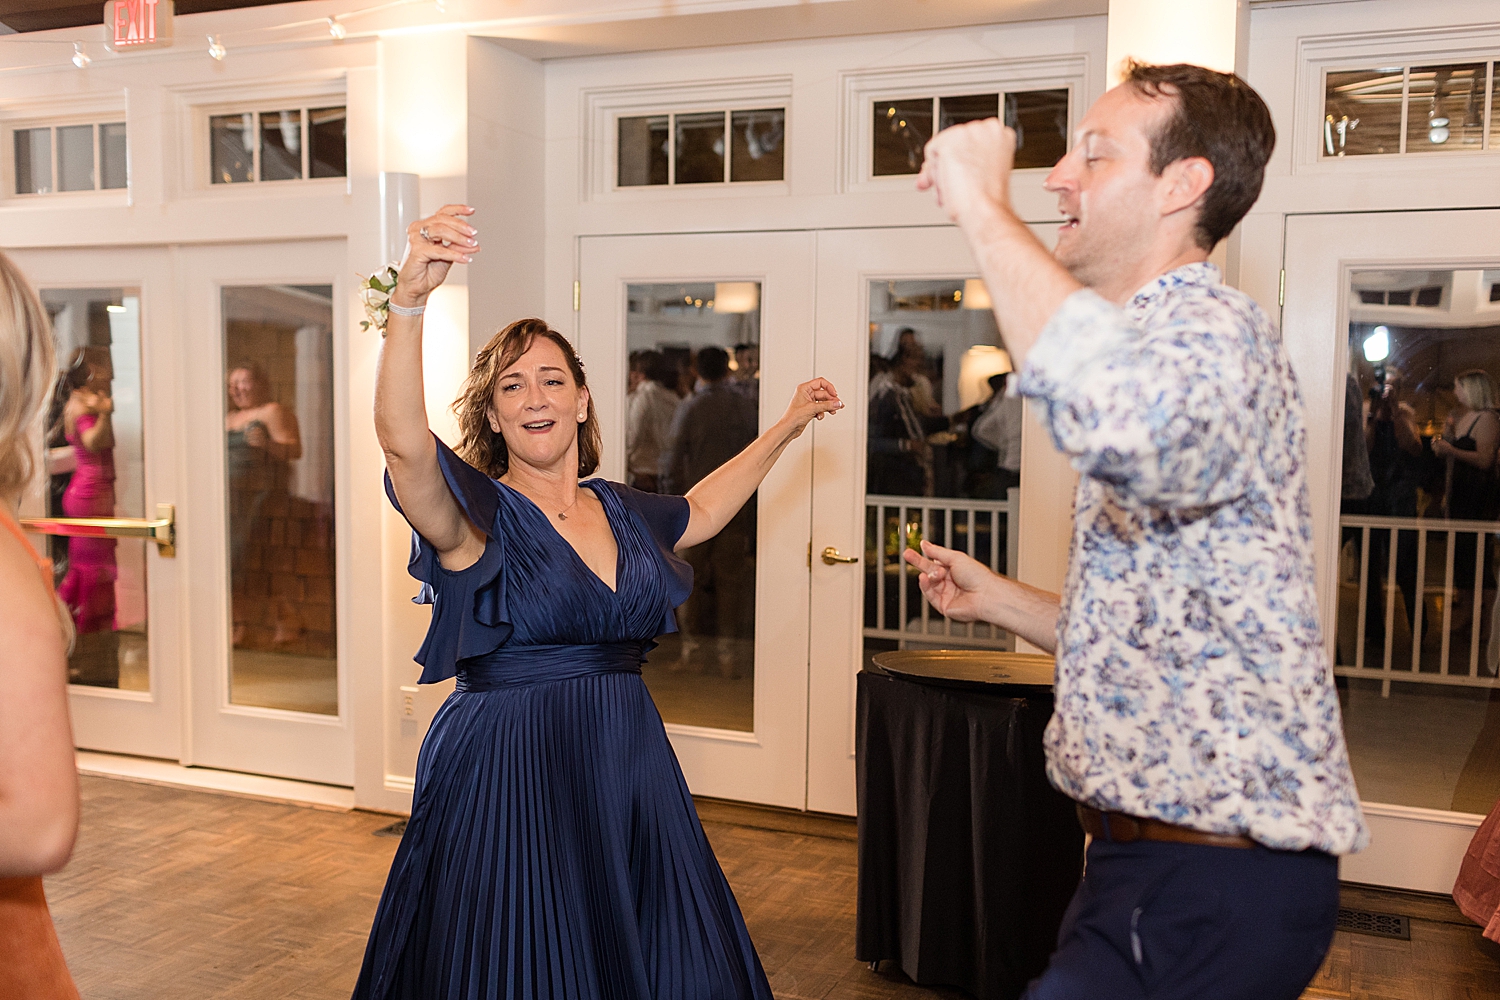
<point x="434" y="245"/>
<point x="721" y="494"/>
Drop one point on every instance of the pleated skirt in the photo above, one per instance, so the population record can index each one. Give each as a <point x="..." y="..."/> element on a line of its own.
<point x="554" y="852"/>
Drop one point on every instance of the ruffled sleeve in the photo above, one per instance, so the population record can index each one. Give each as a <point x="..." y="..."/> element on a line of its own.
<point x="469" y="616"/>
<point x="665" y="519"/>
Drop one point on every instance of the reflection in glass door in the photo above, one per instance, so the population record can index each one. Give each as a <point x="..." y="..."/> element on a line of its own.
<point x="943" y="453"/>
<point x="1417" y="648"/>
<point x="278" y="433"/>
<point x="95" y="469"/>
<point x="693" y="403"/>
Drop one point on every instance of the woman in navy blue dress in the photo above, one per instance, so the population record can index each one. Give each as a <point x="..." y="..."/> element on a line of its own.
<point x="553" y="849"/>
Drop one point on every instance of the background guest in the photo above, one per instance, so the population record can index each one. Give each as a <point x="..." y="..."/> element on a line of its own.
<point x="1470" y="440"/>
<point x="710" y="428"/>
<point x="648" y="419"/>
<point x="88" y="588"/>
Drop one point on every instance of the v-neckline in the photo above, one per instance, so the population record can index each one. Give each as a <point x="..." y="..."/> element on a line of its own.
<point x="615" y="590"/>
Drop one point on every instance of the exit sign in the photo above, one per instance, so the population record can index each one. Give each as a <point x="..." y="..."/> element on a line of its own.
<point x="137" y="24"/>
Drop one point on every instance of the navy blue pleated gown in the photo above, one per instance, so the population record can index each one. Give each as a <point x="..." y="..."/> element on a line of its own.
<point x="553" y="849"/>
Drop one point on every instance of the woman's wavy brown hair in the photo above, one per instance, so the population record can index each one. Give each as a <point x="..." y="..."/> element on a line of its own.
<point x="480" y="445"/>
<point x="27" y="370"/>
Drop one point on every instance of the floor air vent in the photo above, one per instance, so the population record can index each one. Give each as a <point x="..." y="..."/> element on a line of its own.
<point x="398" y="829"/>
<point x="1387" y="925"/>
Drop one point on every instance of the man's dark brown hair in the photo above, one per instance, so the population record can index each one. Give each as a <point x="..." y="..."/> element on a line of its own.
<point x="1216" y="116"/>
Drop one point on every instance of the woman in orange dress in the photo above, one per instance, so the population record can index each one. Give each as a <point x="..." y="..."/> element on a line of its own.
<point x="38" y="780"/>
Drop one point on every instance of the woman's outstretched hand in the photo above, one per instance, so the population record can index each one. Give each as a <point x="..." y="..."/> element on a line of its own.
<point x="816" y="398"/>
<point x="953" y="583"/>
<point x="433" y="245"/>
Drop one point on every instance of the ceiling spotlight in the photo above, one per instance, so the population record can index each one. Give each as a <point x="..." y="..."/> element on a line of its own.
<point x="216" y="48"/>
<point x="335" y="28"/>
<point x="1378" y="345"/>
<point x="80" y="58"/>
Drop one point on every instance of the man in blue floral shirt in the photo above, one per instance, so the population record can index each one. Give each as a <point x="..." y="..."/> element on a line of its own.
<point x="1197" y="724"/>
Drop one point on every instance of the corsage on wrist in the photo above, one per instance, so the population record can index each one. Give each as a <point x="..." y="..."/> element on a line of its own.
<point x="375" y="292"/>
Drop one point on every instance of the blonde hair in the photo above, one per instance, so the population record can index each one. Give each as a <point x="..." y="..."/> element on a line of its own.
<point x="483" y="447"/>
<point x="1475" y="389"/>
<point x="27" y="362"/>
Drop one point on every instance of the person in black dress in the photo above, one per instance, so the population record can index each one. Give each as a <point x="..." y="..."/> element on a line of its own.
<point x="553" y="850"/>
<point x="1470" y="440"/>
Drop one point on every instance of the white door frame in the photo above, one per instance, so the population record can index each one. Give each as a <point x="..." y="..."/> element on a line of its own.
<point x="233" y="737"/>
<point x="1411" y="848"/>
<point x="768" y="765"/>
<point x="149" y="723"/>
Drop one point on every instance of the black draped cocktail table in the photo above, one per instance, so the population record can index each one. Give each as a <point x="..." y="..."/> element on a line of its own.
<point x="967" y="856"/>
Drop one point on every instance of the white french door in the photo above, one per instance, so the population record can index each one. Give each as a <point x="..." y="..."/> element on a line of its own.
<point x="115" y="312"/>
<point x="1383" y="313"/>
<point x="873" y="285"/>
<point x="221" y="368"/>
<point x="732" y="684"/>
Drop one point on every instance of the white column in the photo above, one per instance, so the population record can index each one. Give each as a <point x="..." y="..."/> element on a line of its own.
<point x="1212" y="33"/>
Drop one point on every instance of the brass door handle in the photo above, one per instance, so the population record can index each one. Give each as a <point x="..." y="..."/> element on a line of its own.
<point x="831" y="557"/>
<point x="161" y="529"/>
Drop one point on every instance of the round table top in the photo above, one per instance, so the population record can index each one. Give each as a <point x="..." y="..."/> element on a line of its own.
<point x="968" y="666"/>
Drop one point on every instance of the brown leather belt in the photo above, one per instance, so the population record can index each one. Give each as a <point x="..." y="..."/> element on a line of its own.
<point x="1123" y="829"/>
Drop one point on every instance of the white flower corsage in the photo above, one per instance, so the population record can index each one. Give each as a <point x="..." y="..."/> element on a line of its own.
<point x="375" y="292"/>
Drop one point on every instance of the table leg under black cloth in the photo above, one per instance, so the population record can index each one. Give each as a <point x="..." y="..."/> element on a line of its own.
<point x="967" y="855"/>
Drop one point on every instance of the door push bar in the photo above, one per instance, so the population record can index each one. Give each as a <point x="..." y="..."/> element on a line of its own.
<point x="161" y="529"/>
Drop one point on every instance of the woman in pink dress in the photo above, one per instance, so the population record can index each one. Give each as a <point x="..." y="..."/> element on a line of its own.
<point x="89" y="586"/>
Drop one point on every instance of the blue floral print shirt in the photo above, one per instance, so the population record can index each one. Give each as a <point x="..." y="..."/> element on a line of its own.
<point x="1192" y="681"/>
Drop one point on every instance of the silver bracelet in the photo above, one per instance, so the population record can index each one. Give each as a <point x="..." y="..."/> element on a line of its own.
<point x="406" y="310"/>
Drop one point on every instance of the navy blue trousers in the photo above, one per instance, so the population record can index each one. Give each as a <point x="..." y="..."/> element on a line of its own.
<point x="1187" y="922"/>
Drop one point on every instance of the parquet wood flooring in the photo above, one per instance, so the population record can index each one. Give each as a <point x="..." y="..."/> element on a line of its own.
<point x="175" y="894"/>
<point x="181" y="895"/>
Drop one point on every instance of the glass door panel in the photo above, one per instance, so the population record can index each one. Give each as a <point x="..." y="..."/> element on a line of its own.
<point x="942" y="453"/>
<point x="693" y="402"/>
<point x="278" y="433"/>
<point x="1417" y="650"/>
<point x="95" y="469"/>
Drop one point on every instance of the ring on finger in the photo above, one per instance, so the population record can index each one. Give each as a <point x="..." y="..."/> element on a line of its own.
<point x="425" y="235"/>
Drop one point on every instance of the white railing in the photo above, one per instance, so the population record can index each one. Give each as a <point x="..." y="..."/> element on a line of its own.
<point x="894" y="606"/>
<point x="1404" y="544"/>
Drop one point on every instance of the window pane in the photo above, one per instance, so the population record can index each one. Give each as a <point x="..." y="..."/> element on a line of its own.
<point x="278" y="348"/>
<point x="281" y="145"/>
<point x="1417" y="645"/>
<point x="328" y="156"/>
<point x="75" y="158"/>
<point x="643" y="150"/>
<point x="1040" y="118"/>
<point x="757" y="150"/>
<point x="33" y="160"/>
<point x="968" y="108"/>
<point x="1362" y="113"/>
<point x="1445" y="108"/>
<point x="1495" y="106"/>
<point x="902" y="128"/>
<point x="700" y="148"/>
<point x="694" y="395"/>
<point x="112" y="154"/>
<point x="102" y="580"/>
<point x="231" y="141"/>
<point x="943" y="454"/>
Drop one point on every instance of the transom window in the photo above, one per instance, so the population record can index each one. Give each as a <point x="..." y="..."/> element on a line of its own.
<point x="54" y="158"/>
<point x="702" y="147"/>
<point x="902" y="127"/>
<point x="248" y="147"/>
<point x="1395" y="110"/>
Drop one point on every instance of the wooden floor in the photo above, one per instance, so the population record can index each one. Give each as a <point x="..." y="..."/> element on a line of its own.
<point x="181" y="894"/>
